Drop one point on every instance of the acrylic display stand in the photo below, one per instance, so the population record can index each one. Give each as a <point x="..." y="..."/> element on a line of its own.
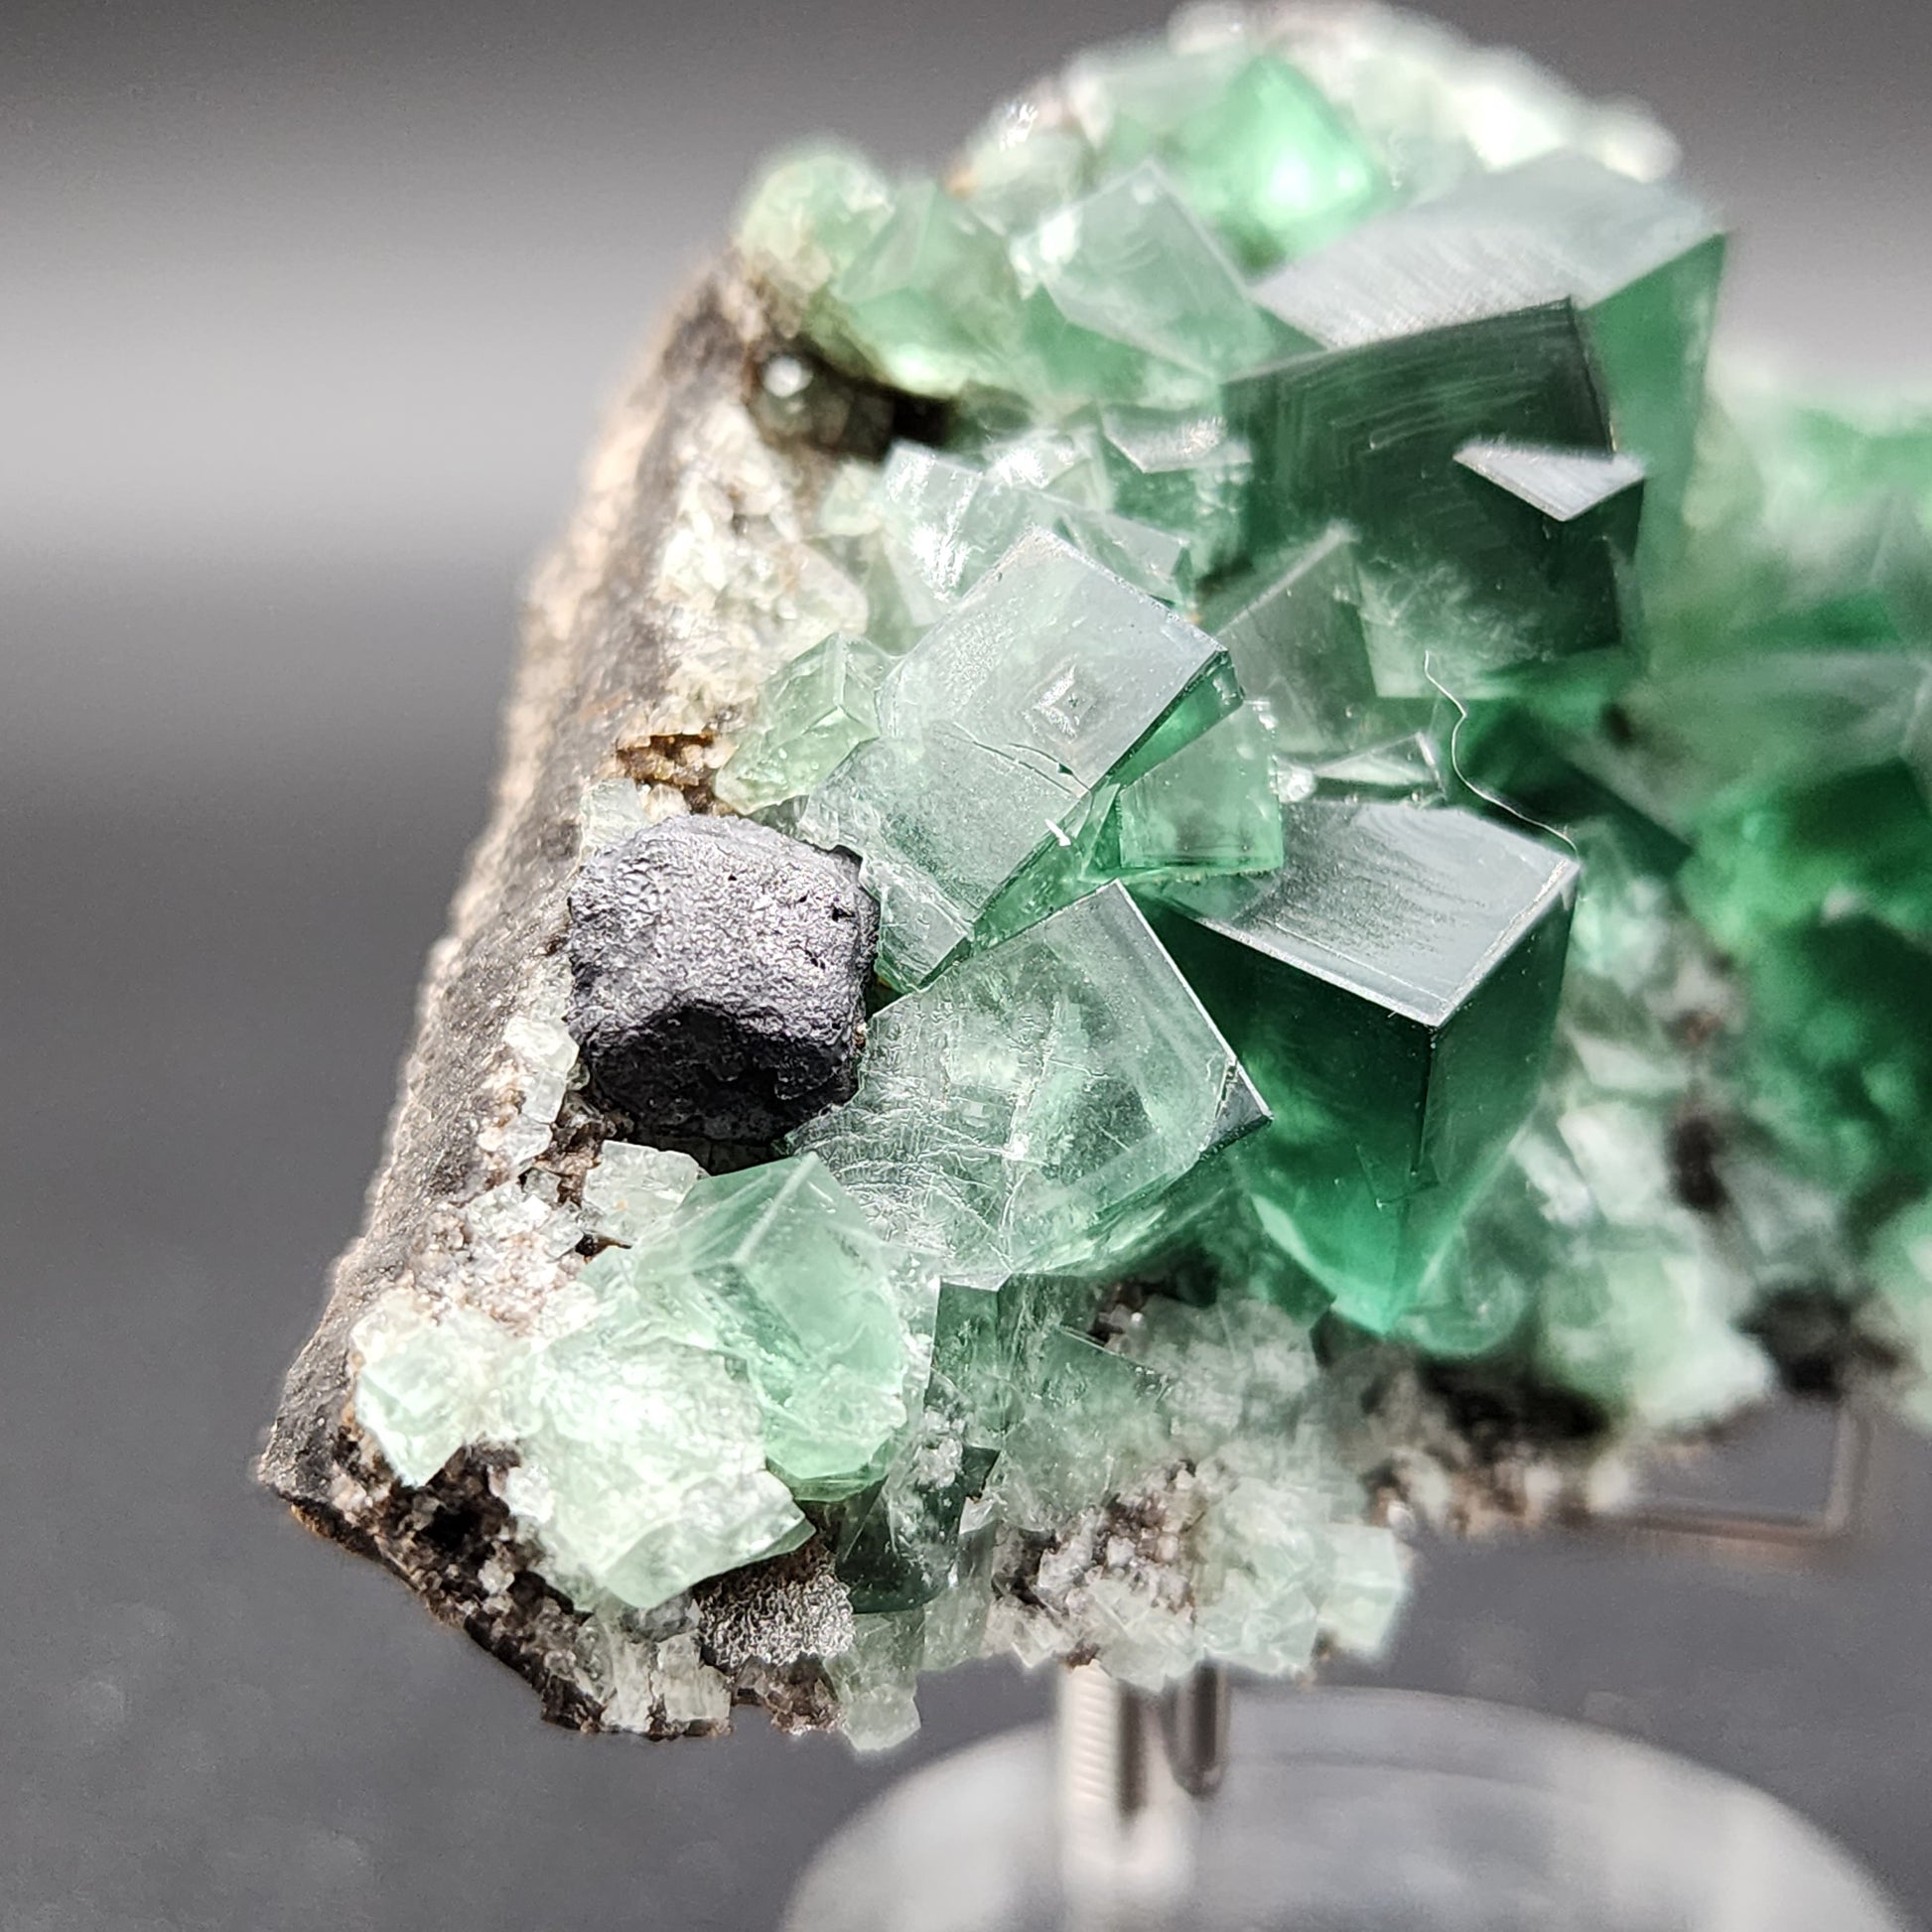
<point x="1339" y="1811"/>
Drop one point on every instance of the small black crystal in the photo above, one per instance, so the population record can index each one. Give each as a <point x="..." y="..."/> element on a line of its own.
<point x="718" y="977"/>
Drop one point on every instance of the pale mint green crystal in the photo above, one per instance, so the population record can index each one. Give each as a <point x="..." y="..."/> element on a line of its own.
<point x="932" y="304"/>
<point x="1648" y="1332"/>
<point x="1131" y="264"/>
<point x="946" y="523"/>
<point x="779" y="1269"/>
<point x="1063" y="458"/>
<point x="1073" y="1437"/>
<point x="1018" y="169"/>
<point x="1231" y="1395"/>
<point x="1009" y="1114"/>
<point x="943" y="523"/>
<point x="1185" y="472"/>
<point x="1210" y="808"/>
<point x="1127" y="95"/>
<point x="425" y="1387"/>
<point x="1271" y="166"/>
<point x="632" y="1192"/>
<point x="610" y="809"/>
<point x="812" y="713"/>
<point x="811" y="210"/>
<point x="877" y="1677"/>
<point x="1365" y="1586"/>
<point x="1262" y="155"/>
<point x="640" y="1465"/>
<point x="994" y="730"/>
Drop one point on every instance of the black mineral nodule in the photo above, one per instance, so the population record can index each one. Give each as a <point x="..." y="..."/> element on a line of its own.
<point x="718" y="977"/>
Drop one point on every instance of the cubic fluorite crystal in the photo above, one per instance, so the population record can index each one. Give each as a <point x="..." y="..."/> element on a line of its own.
<point x="1390" y="988"/>
<point x="994" y="731"/>
<point x="1400" y="819"/>
<point x="1012" y="1112"/>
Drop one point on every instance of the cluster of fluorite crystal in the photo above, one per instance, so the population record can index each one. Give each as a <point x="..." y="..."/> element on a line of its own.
<point x="1398" y="821"/>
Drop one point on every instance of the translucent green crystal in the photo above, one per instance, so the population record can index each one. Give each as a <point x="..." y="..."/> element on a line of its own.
<point x="634" y="1192"/>
<point x="899" y="1544"/>
<point x="811" y="212"/>
<point x="1182" y="472"/>
<point x="1210" y="808"/>
<point x="1646" y="1329"/>
<point x="1303" y="650"/>
<point x="1391" y="990"/>
<point x="1016" y="170"/>
<point x="1321" y="569"/>
<point x="817" y="709"/>
<point x="930" y="304"/>
<point x="779" y="1269"/>
<point x="875" y="1680"/>
<point x="639" y="1463"/>
<point x="425" y="1387"/>
<point x="1372" y="434"/>
<point x="1131" y="265"/>
<point x="1259" y="151"/>
<point x="1075" y="1435"/>
<point x="1009" y="1114"/>
<point x="1838" y="1058"/>
<point x="994" y="730"/>
<point x="1272" y="166"/>
<point x="945" y="522"/>
<point x="641" y="1468"/>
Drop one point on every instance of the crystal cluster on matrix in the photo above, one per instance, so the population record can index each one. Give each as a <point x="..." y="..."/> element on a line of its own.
<point x="1401" y="819"/>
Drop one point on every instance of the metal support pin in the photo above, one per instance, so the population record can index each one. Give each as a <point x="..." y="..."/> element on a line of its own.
<point x="1194" y="1718"/>
<point x="1130" y="1768"/>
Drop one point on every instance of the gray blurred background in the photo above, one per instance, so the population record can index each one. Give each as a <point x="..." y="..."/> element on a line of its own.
<point x="308" y="312"/>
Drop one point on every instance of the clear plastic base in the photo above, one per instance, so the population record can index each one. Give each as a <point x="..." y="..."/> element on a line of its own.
<point x="1342" y="1811"/>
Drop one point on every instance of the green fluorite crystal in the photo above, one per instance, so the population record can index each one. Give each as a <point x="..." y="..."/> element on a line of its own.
<point x="1402" y="829"/>
<point x="1639" y="259"/>
<point x="932" y="302"/>
<point x="817" y="709"/>
<point x="779" y="1269"/>
<point x="1390" y="989"/>
<point x="994" y="731"/>
<point x="1208" y="808"/>
<point x="1010" y="1115"/>
<point x="1260" y="151"/>
<point x="640" y="1463"/>
<point x="812" y="212"/>
<point x="1131" y="266"/>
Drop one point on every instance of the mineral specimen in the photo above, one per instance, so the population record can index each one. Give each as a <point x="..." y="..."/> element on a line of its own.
<point x="1398" y="814"/>
<point x="718" y="973"/>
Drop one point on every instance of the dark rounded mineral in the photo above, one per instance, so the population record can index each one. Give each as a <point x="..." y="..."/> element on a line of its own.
<point x="718" y="977"/>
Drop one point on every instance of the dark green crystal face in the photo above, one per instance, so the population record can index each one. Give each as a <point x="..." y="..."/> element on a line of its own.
<point x="1390" y="988"/>
<point x="1391" y="809"/>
